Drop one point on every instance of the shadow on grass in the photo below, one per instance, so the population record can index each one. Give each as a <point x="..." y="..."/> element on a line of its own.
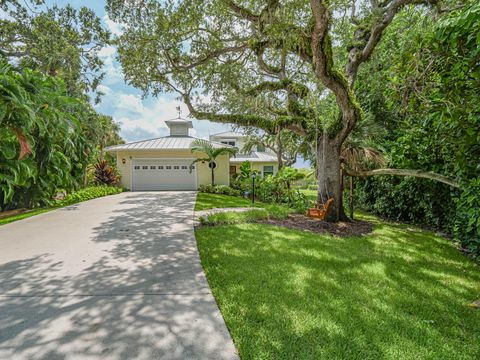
<point x="396" y="294"/>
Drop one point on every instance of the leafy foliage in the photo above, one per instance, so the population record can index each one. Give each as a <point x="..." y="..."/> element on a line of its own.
<point x="426" y="99"/>
<point x="62" y="134"/>
<point x="219" y="189"/>
<point x="105" y="174"/>
<point x="88" y="193"/>
<point x="58" y="41"/>
<point x="467" y="220"/>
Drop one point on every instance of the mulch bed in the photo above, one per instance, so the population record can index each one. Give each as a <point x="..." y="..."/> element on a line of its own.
<point x="302" y="222"/>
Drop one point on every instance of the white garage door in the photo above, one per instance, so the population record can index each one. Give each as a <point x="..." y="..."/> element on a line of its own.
<point x="155" y="174"/>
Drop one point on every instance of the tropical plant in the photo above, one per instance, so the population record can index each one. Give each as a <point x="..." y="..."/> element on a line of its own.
<point x="47" y="138"/>
<point x="105" y="174"/>
<point x="210" y="154"/>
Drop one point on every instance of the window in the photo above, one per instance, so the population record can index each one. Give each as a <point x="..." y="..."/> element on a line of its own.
<point x="168" y="167"/>
<point x="145" y="167"/>
<point x="184" y="167"/>
<point x="260" y="148"/>
<point x="229" y="142"/>
<point x="153" y="167"/>
<point x="233" y="170"/>
<point x="267" y="170"/>
<point x="176" y="167"/>
<point x="193" y="167"/>
<point x="136" y="167"/>
<point x="160" y="167"/>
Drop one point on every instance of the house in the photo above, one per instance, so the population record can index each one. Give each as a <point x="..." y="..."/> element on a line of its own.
<point x="263" y="161"/>
<point x="164" y="163"/>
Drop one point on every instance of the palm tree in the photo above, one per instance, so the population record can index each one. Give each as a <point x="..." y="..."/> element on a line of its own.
<point x="211" y="153"/>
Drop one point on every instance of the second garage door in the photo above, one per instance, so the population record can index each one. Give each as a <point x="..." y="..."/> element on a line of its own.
<point x="154" y="174"/>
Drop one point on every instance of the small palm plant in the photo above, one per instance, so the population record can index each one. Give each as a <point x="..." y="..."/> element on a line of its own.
<point x="211" y="153"/>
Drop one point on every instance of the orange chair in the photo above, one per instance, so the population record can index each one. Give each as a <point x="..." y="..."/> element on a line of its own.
<point x="320" y="211"/>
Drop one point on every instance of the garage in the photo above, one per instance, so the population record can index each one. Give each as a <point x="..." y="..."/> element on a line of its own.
<point x="163" y="174"/>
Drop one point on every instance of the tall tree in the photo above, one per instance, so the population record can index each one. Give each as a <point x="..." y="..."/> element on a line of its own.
<point x="295" y="55"/>
<point x="59" y="41"/>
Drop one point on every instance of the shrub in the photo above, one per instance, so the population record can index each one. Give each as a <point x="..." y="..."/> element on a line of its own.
<point x="219" y="189"/>
<point x="88" y="193"/>
<point x="467" y="220"/>
<point x="105" y="174"/>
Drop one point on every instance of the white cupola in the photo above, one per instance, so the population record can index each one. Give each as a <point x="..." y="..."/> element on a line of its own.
<point x="179" y="126"/>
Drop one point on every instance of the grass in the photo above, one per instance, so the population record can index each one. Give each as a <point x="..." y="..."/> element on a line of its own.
<point x="253" y="215"/>
<point x="24" y="215"/>
<point x="400" y="293"/>
<point x="84" y="194"/>
<point x="207" y="201"/>
<point x="310" y="194"/>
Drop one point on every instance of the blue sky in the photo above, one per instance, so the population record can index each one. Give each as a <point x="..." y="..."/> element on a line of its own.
<point x="139" y="118"/>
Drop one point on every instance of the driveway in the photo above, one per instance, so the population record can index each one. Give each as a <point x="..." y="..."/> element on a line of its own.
<point x="117" y="277"/>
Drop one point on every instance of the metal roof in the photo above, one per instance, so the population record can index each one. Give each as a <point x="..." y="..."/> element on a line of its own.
<point x="255" y="156"/>
<point x="228" y="134"/>
<point x="163" y="143"/>
<point x="179" y="121"/>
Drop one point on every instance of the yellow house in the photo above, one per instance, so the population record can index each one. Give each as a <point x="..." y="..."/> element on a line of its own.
<point x="165" y="163"/>
<point x="262" y="160"/>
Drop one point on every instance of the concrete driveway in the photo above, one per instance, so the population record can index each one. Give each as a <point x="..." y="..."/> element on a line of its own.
<point x="117" y="277"/>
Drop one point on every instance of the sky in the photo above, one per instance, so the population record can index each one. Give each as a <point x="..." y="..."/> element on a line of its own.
<point x="139" y="118"/>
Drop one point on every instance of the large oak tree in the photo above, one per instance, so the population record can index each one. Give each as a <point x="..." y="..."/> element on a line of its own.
<point x="294" y="59"/>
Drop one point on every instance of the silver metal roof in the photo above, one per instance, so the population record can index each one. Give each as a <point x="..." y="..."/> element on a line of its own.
<point x="228" y="134"/>
<point x="163" y="143"/>
<point x="255" y="156"/>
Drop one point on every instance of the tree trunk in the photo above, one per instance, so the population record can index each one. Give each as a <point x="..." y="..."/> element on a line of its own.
<point x="213" y="177"/>
<point x="279" y="151"/>
<point x="330" y="178"/>
<point x="352" y="184"/>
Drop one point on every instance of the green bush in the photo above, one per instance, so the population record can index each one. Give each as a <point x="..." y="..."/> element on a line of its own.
<point x="88" y="193"/>
<point x="219" y="189"/>
<point x="467" y="220"/>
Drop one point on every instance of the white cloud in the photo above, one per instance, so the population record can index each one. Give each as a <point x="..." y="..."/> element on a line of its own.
<point x="107" y="51"/>
<point x="114" y="27"/>
<point x="141" y="119"/>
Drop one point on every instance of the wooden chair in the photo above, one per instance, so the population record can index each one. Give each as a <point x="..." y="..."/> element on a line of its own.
<point x="320" y="211"/>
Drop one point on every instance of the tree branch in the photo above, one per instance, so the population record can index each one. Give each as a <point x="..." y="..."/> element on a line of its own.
<point x="356" y="55"/>
<point x="405" y="172"/>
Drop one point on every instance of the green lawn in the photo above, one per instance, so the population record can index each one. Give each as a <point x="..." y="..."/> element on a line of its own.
<point x="400" y="293"/>
<point x="310" y="194"/>
<point x="24" y="215"/>
<point x="210" y="201"/>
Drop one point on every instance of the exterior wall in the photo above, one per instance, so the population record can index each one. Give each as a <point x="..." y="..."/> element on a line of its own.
<point x="258" y="166"/>
<point x="203" y="171"/>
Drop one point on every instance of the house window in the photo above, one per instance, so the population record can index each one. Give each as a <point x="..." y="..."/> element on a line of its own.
<point x="176" y="167"/>
<point x="168" y="167"/>
<point x="145" y="167"/>
<point x="260" y="148"/>
<point x="136" y="167"/>
<point x="233" y="170"/>
<point x="153" y="167"/>
<point x="160" y="167"/>
<point x="267" y="170"/>
<point x="184" y="167"/>
<point x="229" y="142"/>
